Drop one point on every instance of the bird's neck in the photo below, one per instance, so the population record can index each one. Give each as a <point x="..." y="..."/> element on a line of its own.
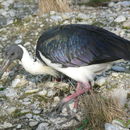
<point x="33" y="66"/>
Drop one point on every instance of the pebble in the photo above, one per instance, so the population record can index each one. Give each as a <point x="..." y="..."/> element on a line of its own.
<point x="18" y="41"/>
<point x="10" y="92"/>
<point x="11" y="110"/>
<point x="56" y="18"/>
<point x="29" y="115"/>
<point x="118" y="68"/>
<point x="126" y="24"/>
<point x="42" y="126"/>
<point x="5" y="125"/>
<point x="31" y="91"/>
<point x="120" y="19"/>
<point x="50" y="93"/>
<point x="18" y="126"/>
<point x="56" y="99"/>
<point x="83" y="16"/>
<point x="115" y="122"/>
<point x="36" y="111"/>
<point x="33" y="123"/>
<point x="42" y="93"/>
<point x="115" y="74"/>
<point x="101" y="81"/>
<point x="124" y="3"/>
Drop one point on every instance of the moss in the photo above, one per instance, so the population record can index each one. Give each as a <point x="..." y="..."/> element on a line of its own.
<point x="18" y="22"/>
<point x="124" y="27"/>
<point x="18" y="113"/>
<point x="97" y="23"/>
<point x="1" y="6"/>
<point x="1" y="89"/>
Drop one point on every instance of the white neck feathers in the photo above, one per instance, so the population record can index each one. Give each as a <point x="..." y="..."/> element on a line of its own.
<point x="35" y="67"/>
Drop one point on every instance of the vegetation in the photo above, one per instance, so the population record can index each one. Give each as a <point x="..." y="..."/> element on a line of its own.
<point x="98" y="110"/>
<point x="46" y="6"/>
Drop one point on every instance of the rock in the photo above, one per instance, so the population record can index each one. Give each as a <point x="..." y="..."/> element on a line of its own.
<point x="33" y="123"/>
<point x="83" y="16"/>
<point x="18" y="126"/>
<point x="19" y="82"/>
<point x="126" y="24"/>
<point x="115" y="122"/>
<point x="118" y="68"/>
<point x="18" y="41"/>
<point x="101" y="81"/>
<point x="120" y="94"/>
<point x="51" y="93"/>
<point x="109" y="126"/>
<point x="29" y="115"/>
<point x="120" y="19"/>
<point x="3" y="20"/>
<point x="42" y="126"/>
<point x="115" y="74"/>
<point x="36" y="111"/>
<point x="42" y="93"/>
<point x="5" y="125"/>
<point x="56" y="99"/>
<point x="124" y="3"/>
<point x="31" y="91"/>
<point x="56" y="18"/>
<point x="11" y="110"/>
<point x="11" y="93"/>
<point x="111" y="4"/>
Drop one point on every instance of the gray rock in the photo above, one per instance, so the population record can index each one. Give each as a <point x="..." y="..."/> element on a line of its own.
<point x="126" y="24"/>
<point x="36" y="111"/>
<point x="3" y="20"/>
<point x="42" y="126"/>
<point x="51" y="93"/>
<point x="18" y="126"/>
<point x="5" y="125"/>
<point x="124" y="3"/>
<point x="18" y="41"/>
<point x="33" y="123"/>
<point x="120" y="19"/>
<point x="109" y="126"/>
<point x="11" y="110"/>
<point x="42" y="93"/>
<point x="29" y="115"/>
<point x="56" y="18"/>
<point x="115" y="122"/>
<point x="118" y="68"/>
<point x="11" y="93"/>
<point x="83" y="16"/>
<point x="111" y="4"/>
<point x="101" y="81"/>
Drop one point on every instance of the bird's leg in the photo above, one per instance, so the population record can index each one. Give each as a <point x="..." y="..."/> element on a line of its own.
<point x="74" y="96"/>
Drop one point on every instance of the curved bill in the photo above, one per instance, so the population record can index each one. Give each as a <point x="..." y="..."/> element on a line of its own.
<point x="4" y="67"/>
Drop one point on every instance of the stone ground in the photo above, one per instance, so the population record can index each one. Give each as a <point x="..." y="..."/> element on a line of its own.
<point x="24" y="98"/>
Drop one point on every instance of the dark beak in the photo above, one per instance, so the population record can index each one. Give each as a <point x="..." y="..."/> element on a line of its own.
<point x="4" y="66"/>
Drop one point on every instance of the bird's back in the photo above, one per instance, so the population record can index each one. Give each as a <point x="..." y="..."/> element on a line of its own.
<point x="81" y="45"/>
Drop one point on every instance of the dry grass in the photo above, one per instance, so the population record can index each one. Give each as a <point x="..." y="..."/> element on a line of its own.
<point x="98" y="110"/>
<point x="46" y="6"/>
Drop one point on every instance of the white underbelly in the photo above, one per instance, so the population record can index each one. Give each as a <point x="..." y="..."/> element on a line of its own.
<point x="85" y="73"/>
<point x="82" y="74"/>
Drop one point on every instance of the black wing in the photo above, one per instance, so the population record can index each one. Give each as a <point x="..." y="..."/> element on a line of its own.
<point x="80" y="45"/>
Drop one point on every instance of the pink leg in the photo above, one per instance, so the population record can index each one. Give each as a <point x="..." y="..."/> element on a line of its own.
<point x="81" y="89"/>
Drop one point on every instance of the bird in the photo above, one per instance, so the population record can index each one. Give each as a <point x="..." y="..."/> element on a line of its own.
<point x="79" y="51"/>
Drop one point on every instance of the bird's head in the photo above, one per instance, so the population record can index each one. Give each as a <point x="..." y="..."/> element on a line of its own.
<point x="11" y="53"/>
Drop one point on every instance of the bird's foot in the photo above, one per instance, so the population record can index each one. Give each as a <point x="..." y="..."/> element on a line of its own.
<point x="57" y="111"/>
